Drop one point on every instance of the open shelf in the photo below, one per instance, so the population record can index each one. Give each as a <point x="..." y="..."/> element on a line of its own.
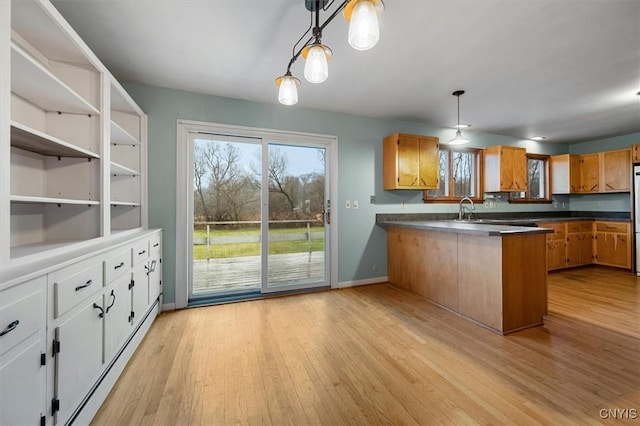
<point x="32" y="140"/>
<point x="31" y="249"/>
<point x="120" y="136"/>
<point x="33" y="82"/>
<point x="120" y="170"/>
<point x="49" y="200"/>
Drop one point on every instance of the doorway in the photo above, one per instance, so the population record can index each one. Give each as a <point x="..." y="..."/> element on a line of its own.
<point x="260" y="213"/>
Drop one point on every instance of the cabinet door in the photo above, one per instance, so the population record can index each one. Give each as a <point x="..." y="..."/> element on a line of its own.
<point x="574" y="247"/>
<point x="617" y="170"/>
<point x="79" y="360"/>
<point x="586" y="248"/>
<point x="590" y="172"/>
<point x="636" y="153"/>
<point x="611" y="249"/>
<point x="506" y="169"/>
<point x="555" y="254"/>
<point x="408" y="161"/>
<point x="519" y="164"/>
<point x="429" y="162"/>
<point x="117" y="326"/>
<point x="140" y="292"/>
<point x="22" y="386"/>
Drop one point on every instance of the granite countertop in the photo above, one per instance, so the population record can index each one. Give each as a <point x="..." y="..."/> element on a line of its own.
<point x="462" y="227"/>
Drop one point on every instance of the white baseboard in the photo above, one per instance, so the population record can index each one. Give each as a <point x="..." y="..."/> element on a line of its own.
<point x="376" y="280"/>
<point x="168" y="307"/>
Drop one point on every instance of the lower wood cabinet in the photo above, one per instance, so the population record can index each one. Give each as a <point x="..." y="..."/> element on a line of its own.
<point x="578" y="243"/>
<point x="61" y="332"/>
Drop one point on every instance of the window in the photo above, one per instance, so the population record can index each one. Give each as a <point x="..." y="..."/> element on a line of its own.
<point x="459" y="176"/>
<point x="537" y="181"/>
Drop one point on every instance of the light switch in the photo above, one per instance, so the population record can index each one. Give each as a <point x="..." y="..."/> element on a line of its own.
<point x="355" y="204"/>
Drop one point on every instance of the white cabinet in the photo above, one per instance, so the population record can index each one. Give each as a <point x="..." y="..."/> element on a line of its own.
<point x="117" y="325"/>
<point x="155" y="267"/>
<point x="23" y="354"/>
<point x="72" y="141"/>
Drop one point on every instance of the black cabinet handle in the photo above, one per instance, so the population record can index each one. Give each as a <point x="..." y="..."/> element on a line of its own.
<point x="140" y="253"/>
<point x="96" y="306"/>
<point x="119" y="266"/>
<point x="113" y="295"/>
<point x="87" y="284"/>
<point x="10" y="328"/>
<point x="156" y="244"/>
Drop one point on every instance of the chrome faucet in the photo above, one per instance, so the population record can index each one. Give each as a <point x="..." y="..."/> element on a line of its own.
<point x="462" y="208"/>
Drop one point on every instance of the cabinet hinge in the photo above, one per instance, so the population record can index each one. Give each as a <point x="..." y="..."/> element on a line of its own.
<point x="56" y="347"/>
<point x="43" y="420"/>
<point x="43" y="359"/>
<point x="160" y="282"/>
<point x="133" y="314"/>
<point x="55" y="406"/>
<point x="398" y="180"/>
<point x="131" y="284"/>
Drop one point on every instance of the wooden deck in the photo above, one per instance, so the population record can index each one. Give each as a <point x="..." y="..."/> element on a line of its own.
<point x="243" y="273"/>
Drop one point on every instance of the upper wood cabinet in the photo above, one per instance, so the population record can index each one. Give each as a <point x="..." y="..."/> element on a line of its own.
<point x="565" y="174"/>
<point x="410" y="162"/>
<point x="608" y="171"/>
<point x="505" y="169"/>
<point x="635" y="153"/>
<point x="616" y="170"/>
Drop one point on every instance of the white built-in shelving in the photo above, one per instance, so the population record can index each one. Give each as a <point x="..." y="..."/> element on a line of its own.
<point x="73" y="142"/>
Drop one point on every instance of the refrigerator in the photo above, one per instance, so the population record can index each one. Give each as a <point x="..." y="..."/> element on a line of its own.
<point x="636" y="213"/>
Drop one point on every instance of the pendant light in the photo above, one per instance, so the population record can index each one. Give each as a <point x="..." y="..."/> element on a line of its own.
<point x="458" y="139"/>
<point x="364" y="33"/>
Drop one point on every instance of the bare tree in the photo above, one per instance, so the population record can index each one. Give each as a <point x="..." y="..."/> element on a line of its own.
<point x="279" y="182"/>
<point x="199" y="179"/>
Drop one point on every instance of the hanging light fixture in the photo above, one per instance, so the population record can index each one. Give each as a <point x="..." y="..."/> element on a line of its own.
<point x="364" y="33"/>
<point x="458" y="139"/>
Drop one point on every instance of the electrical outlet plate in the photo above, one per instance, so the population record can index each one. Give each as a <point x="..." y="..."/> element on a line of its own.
<point x="347" y="204"/>
<point x="356" y="204"/>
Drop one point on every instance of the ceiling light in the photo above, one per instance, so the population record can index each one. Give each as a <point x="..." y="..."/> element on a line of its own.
<point x="364" y="33"/>
<point x="458" y="139"/>
<point x="538" y="138"/>
<point x="288" y="93"/>
<point x="461" y="126"/>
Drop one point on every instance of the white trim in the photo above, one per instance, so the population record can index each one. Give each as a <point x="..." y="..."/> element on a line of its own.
<point x="168" y="307"/>
<point x="5" y="132"/>
<point x="184" y="184"/>
<point x="367" y="281"/>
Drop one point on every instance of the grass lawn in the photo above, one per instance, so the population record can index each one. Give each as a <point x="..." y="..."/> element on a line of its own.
<point x="220" y="251"/>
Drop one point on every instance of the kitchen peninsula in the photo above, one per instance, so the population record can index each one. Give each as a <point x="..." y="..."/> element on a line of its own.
<point x="494" y="275"/>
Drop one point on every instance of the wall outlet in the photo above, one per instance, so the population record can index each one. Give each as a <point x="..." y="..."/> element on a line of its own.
<point x="356" y="204"/>
<point x="372" y="199"/>
<point x="347" y="204"/>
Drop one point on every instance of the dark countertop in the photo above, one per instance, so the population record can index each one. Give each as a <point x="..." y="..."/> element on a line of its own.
<point x="463" y="227"/>
<point x="513" y="218"/>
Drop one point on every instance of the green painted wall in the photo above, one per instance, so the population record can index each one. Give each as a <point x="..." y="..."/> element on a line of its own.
<point x="362" y="245"/>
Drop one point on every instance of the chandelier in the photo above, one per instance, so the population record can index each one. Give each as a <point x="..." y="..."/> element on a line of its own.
<point x="364" y="33"/>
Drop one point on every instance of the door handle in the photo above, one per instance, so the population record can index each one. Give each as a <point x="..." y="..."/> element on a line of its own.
<point x="87" y="284"/>
<point x="10" y="328"/>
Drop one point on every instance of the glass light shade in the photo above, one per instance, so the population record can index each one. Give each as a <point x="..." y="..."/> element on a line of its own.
<point x="316" y="68"/>
<point x="458" y="139"/>
<point x="288" y="93"/>
<point x="364" y="31"/>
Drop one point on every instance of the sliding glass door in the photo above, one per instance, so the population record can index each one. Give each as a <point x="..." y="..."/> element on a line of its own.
<point x="260" y="215"/>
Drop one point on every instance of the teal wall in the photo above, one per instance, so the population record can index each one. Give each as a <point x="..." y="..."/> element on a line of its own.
<point x="362" y="245"/>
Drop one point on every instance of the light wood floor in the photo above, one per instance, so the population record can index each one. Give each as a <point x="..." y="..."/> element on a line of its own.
<point x="379" y="355"/>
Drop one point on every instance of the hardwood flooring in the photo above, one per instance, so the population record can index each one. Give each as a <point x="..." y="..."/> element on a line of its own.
<point x="381" y="355"/>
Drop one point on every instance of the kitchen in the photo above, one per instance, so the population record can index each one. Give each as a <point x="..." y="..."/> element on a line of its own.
<point x="361" y="242"/>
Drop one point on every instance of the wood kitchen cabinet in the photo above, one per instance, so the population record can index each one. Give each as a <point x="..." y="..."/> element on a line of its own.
<point x="613" y="244"/>
<point x="579" y="244"/>
<point x="505" y="169"/>
<point x="556" y="245"/>
<point x="616" y="170"/>
<point x="410" y="162"/>
<point x="590" y="172"/>
<point x="635" y="153"/>
<point x="565" y="174"/>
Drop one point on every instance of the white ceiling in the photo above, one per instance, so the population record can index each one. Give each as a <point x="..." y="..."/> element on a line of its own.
<point x="565" y="69"/>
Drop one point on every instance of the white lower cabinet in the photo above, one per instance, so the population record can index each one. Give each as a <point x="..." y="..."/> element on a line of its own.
<point x="61" y="333"/>
<point x="78" y="356"/>
<point x="117" y="326"/>
<point x="23" y="354"/>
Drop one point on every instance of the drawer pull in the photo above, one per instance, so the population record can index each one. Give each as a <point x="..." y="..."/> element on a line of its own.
<point x="140" y="253"/>
<point x="119" y="266"/>
<point x="112" y="302"/>
<point x="96" y="306"/>
<point x="10" y="328"/>
<point x="88" y="283"/>
<point x="156" y="244"/>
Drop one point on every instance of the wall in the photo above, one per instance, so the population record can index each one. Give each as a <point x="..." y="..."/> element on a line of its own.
<point x="361" y="245"/>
